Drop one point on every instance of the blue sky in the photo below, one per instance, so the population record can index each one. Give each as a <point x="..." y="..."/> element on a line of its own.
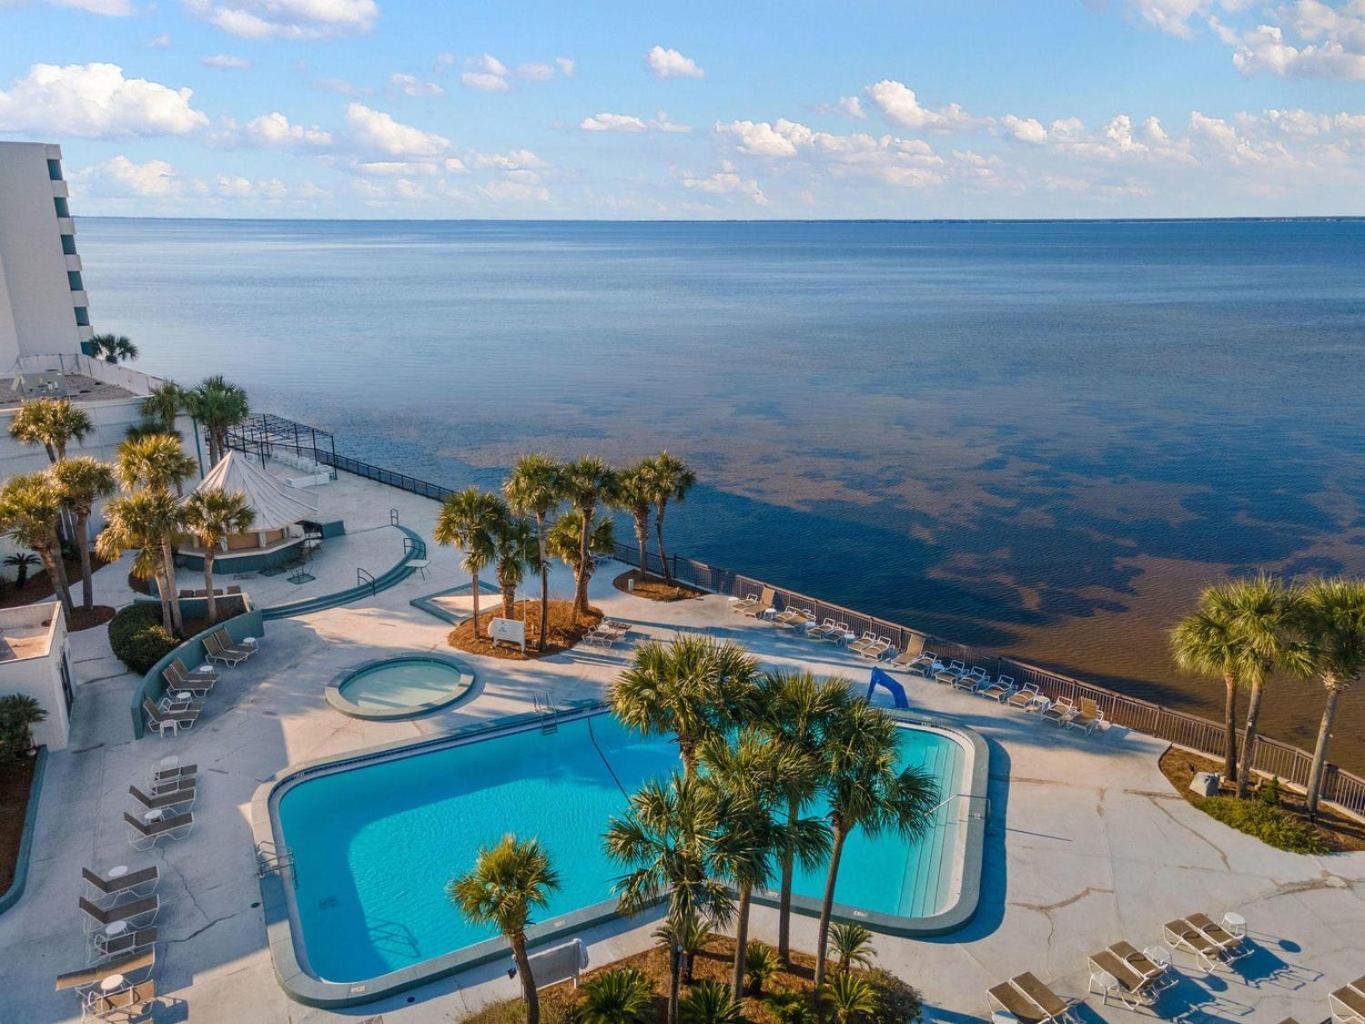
<point x="380" y="108"/>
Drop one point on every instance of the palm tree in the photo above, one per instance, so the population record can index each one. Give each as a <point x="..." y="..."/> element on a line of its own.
<point x="747" y="776"/>
<point x="866" y="791"/>
<point x="161" y="406"/>
<point x="22" y="561"/>
<point x="691" y="933"/>
<point x="51" y="422"/>
<point x="514" y="555"/>
<point x="143" y="520"/>
<point x="852" y="944"/>
<point x="565" y="539"/>
<point x="711" y="1002"/>
<point x="113" y="348"/>
<point x="761" y="963"/>
<point x="468" y="520"/>
<point x="634" y="494"/>
<point x="672" y="479"/>
<point x="587" y="483"/>
<point x="219" y="406"/>
<point x="798" y="710"/>
<point x="533" y="489"/>
<point x="83" y="481"/>
<point x="685" y="688"/>
<point x="509" y="880"/>
<point x="19" y="713"/>
<point x="1332" y="617"/>
<point x="156" y="461"/>
<point x="211" y="517"/>
<point x="1206" y="643"/>
<point x="620" y="995"/>
<point x="30" y="506"/>
<point x="851" y="998"/>
<point x="667" y="841"/>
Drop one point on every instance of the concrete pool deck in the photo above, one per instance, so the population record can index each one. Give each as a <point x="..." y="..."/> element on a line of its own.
<point x="1086" y="843"/>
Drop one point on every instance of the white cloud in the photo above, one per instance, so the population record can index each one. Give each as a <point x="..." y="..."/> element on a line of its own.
<point x="903" y="163"/>
<point x="121" y="177"/>
<point x="275" y="130"/>
<point x="95" y="101"/>
<point x="288" y="19"/>
<point x="663" y="123"/>
<point x="726" y="182"/>
<point x="536" y="72"/>
<point x="339" y="86"/>
<point x="107" y="8"/>
<point x="487" y="74"/>
<point x="1024" y="129"/>
<point x="899" y="105"/>
<point x="1265" y="49"/>
<point x="161" y="42"/>
<point x="759" y="138"/>
<point x="512" y="160"/>
<point x="376" y="130"/>
<point x="1170" y="16"/>
<point x="225" y="62"/>
<point x="511" y="191"/>
<point x="566" y="66"/>
<point x="664" y="63"/>
<point x="852" y="107"/>
<point x="612" y="123"/>
<point x="411" y="85"/>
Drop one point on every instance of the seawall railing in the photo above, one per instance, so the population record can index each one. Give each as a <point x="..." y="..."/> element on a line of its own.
<point x="1271" y="758"/>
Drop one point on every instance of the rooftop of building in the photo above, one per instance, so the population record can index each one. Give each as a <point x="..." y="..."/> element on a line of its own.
<point x="16" y="388"/>
<point x="27" y="632"/>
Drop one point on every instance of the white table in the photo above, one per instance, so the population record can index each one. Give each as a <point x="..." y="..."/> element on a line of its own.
<point x="113" y="983"/>
<point x="118" y="871"/>
<point x="115" y="928"/>
<point x="154" y="815"/>
<point x="1235" y="923"/>
<point x="202" y="670"/>
<point x="419" y="565"/>
<point x="847" y="639"/>
<point x="249" y="641"/>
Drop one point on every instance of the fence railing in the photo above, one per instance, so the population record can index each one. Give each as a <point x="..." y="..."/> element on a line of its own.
<point x="1182" y="729"/>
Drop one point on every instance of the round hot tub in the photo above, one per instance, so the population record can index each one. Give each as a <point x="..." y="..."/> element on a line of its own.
<point x="401" y="687"/>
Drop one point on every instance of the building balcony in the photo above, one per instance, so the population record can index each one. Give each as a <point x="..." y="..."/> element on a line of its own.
<point x="73" y="262"/>
<point x="60" y="188"/>
<point x="66" y="225"/>
<point x="85" y="333"/>
<point x="80" y="298"/>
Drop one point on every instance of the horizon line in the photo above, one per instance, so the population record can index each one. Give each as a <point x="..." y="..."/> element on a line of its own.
<point x="1231" y="219"/>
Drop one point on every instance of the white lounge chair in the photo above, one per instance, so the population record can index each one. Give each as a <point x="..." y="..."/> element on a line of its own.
<point x="1348" y="1003"/>
<point x="969" y="681"/>
<point x="866" y="640"/>
<point x="143" y="835"/>
<point x="1088" y="715"/>
<point x="948" y="676"/>
<point x="999" y="690"/>
<point x="1026" y="698"/>
<point x="1061" y="711"/>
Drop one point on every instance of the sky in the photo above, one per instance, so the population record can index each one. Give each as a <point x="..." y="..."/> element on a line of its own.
<point x="859" y="108"/>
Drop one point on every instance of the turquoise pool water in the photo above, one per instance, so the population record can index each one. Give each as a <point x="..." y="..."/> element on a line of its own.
<point x="405" y="683"/>
<point x="375" y="845"/>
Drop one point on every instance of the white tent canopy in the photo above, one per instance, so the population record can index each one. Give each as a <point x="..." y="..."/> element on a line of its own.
<point x="276" y="505"/>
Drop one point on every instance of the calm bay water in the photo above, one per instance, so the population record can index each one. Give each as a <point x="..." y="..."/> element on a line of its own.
<point x="1045" y="437"/>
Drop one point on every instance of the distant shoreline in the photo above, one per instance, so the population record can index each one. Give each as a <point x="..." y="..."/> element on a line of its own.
<point x="1328" y="219"/>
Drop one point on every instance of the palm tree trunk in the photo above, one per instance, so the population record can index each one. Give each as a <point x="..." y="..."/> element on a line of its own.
<point x="1249" y="744"/>
<point x="674" y="980"/>
<point x="208" y="583"/>
<point x="663" y="555"/>
<point x="784" y="904"/>
<point x="1329" y="712"/>
<point x="474" y="577"/>
<point x="741" y="943"/>
<point x="509" y="600"/>
<point x="83" y="546"/>
<point x="642" y="538"/>
<point x="528" y="983"/>
<point x="687" y="750"/>
<point x="168" y="561"/>
<point x="584" y="573"/>
<point x="1230" y="728"/>
<point x="163" y="591"/>
<point x="544" y="583"/>
<point x="827" y="909"/>
<point x="51" y="554"/>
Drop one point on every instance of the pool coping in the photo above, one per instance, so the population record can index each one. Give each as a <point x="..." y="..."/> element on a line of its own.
<point x="427" y="602"/>
<point x="301" y="985"/>
<point x="334" y="697"/>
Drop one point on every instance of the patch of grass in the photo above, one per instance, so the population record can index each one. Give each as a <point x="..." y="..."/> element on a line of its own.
<point x="563" y="633"/>
<point x="1271" y="825"/>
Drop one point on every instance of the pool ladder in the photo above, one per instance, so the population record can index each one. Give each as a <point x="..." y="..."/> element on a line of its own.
<point x="271" y="860"/>
<point x="549" y="714"/>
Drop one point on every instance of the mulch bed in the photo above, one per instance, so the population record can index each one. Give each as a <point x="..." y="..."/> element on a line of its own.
<point x="563" y="633"/>
<point x="39" y="588"/>
<point x="80" y="619"/>
<point x="15" y="779"/>
<point x="1342" y="834"/>
<point x="652" y="588"/>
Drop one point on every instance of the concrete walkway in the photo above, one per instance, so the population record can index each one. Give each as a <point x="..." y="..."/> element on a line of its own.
<point x="1087" y="843"/>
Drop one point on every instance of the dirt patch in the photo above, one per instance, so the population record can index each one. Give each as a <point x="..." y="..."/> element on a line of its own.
<point x="15" y="779"/>
<point x="80" y="619"/>
<point x="564" y="631"/>
<point x="652" y="588"/>
<point x="39" y="588"/>
<point x="1341" y="834"/>
<point x="561" y="1003"/>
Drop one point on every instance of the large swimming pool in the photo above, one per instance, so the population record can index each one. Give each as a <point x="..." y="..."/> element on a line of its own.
<point x="375" y="841"/>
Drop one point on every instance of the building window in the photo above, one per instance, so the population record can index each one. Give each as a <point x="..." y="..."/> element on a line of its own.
<point x="82" y="316"/>
<point x="73" y="278"/>
<point x="69" y="245"/>
<point x="54" y="170"/>
<point x="62" y="209"/>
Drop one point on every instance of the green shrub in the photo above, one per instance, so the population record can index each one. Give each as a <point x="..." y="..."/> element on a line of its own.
<point x="761" y="963"/>
<point x="790" y="1007"/>
<point x="1270" y="792"/>
<point x="897" y="1002"/>
<point x="621" y="995"/>
<point x="1272" y="825"/>
<point x="138" y="638"/>
<point x="710" y="1002"/>
<point x="18" y="715"/>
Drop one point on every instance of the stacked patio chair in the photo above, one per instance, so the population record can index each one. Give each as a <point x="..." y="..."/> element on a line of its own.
<point x="1136" y="977"/>
<point x="1029" y="1001"/>
<point x="1348" y="1003"/>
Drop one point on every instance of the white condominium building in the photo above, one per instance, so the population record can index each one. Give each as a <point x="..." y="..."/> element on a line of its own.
<point x="43" y="306"/>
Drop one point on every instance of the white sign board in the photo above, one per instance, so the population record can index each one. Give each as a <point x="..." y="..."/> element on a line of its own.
<point x="508" y="631"/>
